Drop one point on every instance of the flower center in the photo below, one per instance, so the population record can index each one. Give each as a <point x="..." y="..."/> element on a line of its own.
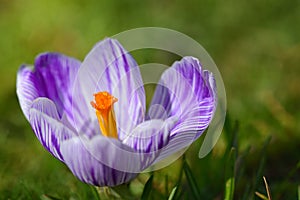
<point x="105" y="113"/>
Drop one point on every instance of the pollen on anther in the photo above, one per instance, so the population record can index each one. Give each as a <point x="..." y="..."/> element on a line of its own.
<point x="103" y="101"/>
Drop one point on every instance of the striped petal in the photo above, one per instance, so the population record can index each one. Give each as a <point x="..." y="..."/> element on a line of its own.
<point x="79" y="155"/>
<point x="48" y="127"/>
<point x="189" y="93"/>
<point x="103" y="161"/>
<point x="150" y="136"/>
<point x="53" y="77"/>
<point x="27" y="90"/>
<point x="108" y="67"/>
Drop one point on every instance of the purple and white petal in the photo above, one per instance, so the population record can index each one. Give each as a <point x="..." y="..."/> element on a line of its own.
<point x="52" y="77"/>
<point x="108" y="67"/>
<point x="27" y="90"/>
<point x="47" y="126"/>
<point x="56" y="74"/>
<point x="161" y="105"/>
<point x="190" y="95"/>
<point x="105" y="158"/>
<point x="150" y="136"/>
<point x="79" y="156"/>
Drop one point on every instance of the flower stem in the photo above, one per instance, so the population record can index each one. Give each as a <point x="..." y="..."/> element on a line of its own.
<point x="106" y="193"/>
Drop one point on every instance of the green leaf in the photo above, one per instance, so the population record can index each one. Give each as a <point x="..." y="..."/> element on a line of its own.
<point x="229" y="175"/>
<point x="191" y="181"/>
<point x="173" y="192"/>
<point x="147" y="189"/>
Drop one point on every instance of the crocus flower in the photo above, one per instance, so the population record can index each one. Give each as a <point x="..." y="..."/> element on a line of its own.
<point x="92" y="115"/>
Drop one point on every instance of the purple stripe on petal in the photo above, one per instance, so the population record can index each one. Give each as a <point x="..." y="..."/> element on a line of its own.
<point x="52" y="77"/>
<point x="56" y="74"/>
<point x="108" y="67"/>
<point x="26" y="89"/>
<point x="161" y="97"/>
<point x="150" y="136"/>
<point x="176" y="144"/>
<point x="80" y="156"/>
<point x="46" y="124"/>
<point x="90" y="129"/>
<point x="190" y="96"/>
<point x="107" y="152"/>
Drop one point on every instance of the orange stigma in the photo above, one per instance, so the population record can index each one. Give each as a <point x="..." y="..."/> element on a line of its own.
<point x="105" y="113"/>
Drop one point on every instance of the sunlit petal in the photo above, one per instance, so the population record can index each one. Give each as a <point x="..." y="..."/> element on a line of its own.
<point x="108" y="67"/>
<point x="188" y="93"/>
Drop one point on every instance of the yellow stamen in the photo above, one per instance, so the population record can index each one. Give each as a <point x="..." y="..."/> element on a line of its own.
<point x="105" y="113"/>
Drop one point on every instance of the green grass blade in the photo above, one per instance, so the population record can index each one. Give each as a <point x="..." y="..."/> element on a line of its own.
<point x="191" y="181"/>
<point x="49" y="197"/>
<point x="178" y="192"/>
<point x="230" y="176"/>
<point x="298" y="192"/>
<point x="147" y="189"/>
<point x="246" y="192"/>
<point x="267" y="188"/>
<point x="262" y="162"/>
<point x="263" y="197"/>
<point x="95" y="192"/>
<point x="259" y="174"/>
<point x="231" y="135"/>
<point x="166" y="184"/>
<point x="173" y="192"/>
<point x="105" y="193"/>
<point x="229" y="189"/>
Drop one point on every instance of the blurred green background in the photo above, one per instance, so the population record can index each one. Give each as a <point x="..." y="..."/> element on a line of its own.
<point x="255" y="44"/>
